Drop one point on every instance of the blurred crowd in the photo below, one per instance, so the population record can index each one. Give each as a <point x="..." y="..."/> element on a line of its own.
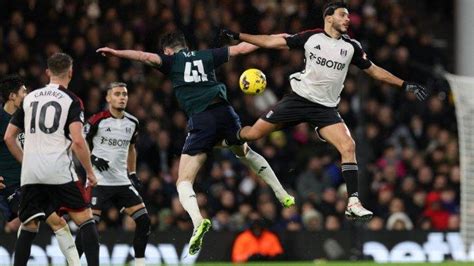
<point x="407" y="150"/>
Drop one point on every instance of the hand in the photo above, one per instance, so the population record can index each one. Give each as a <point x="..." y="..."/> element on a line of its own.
<point x="2" y="185"/>
<point x="99" y="163"/>
<point x="135" y="181"/>
<point x="420" y="92"/>
<point x="229" y="35"/>
<point x="91" y="180"/>
<point x="106" y="51"/>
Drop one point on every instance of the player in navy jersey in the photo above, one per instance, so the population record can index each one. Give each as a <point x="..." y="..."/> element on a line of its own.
<point x="111" y="135"/>
<point x="52" y="119"/>
<point x="316" y="90"/>
<point x="211" y="118"/>
<point x="13" y="91"/>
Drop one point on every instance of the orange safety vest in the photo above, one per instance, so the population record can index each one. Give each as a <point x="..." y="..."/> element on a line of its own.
<point x="247" y="245"/>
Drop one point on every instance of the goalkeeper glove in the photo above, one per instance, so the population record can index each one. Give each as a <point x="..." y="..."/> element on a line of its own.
<point x="420" y="92"/>
<point x="230" y="35"/>
<point x="135" y="181"/>
<point x="99" y="163"/>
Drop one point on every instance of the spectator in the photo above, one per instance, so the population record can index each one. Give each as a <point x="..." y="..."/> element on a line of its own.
<point x="256" y="243"/>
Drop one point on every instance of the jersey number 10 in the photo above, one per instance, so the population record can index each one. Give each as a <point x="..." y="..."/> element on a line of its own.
<point x="193" y="75"/>
<point x="42" y="117"/>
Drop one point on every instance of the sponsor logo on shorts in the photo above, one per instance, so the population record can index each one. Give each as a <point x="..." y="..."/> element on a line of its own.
<point x="94" y="200"/>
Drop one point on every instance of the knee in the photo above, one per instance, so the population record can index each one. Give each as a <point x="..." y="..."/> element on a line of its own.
<point x="250" y="133"/>
<point x="348" y="147"/>
<point x="56" y="223"/>
<point x="143" y="224"/>
<point x="32" y="225"/>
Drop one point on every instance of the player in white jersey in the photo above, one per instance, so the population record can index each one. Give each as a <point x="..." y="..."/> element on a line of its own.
<point x="13" y="92"/>
<point x="111" y="135"/>
<point x="52" y="119"/>
<point x="316" y="90"/>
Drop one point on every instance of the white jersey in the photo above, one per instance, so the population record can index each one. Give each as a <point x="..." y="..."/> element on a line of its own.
<point x="45" y="116"/>
<point x="327" y="61"/>
<point x="109" y="138"/>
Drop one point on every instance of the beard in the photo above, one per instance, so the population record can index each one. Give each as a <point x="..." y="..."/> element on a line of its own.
<point x="340" y="28"/>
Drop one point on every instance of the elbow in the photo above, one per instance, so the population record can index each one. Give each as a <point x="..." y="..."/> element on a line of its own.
<point x="9" y="140"/>
<point x="78" y="143"/>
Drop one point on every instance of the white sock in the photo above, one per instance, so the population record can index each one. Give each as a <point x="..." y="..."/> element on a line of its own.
<point x="67" y="246"/>
<point x="260" y="166"/>
<point x="139" y="261"/>
<point x="187" y="197"/>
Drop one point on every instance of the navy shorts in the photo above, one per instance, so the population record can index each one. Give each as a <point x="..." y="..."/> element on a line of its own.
<point x="10" y="201"/>
<point x="208" y="128"/>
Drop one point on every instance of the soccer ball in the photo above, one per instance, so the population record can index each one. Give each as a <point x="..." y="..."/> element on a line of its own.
<point x="253" y="81"/>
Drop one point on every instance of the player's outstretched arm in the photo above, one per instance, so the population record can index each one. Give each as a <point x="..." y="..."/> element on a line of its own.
<point x="245" y="47"/>
<point x="10" y="137"/>
<point x="81" y="150"/>
<point x="381" y="74"/>
<point x="144" y="57"/>
<point x="265" y="41"/>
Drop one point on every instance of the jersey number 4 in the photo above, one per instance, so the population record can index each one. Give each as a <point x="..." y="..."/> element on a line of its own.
<point x="42" y="117"/>
<point x="193" y="75"/>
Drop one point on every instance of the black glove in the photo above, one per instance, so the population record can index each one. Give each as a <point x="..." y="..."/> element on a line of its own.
<point x="99" y="163"/>
<point x="230" y="35"/>
<point x="420" y="92"/>
<point x="135" y="182"/>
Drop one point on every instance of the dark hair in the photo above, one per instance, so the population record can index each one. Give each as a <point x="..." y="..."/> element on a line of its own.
<point x="173" y="40"/>
<point x="10" y="84"/>
<point x="330" y="7"/>
<point x="116" y="84"/>
<point x="59" y="63"/>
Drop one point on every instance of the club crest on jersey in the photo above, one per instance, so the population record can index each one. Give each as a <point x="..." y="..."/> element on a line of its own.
<point x="128" y="130"/>
<point x="344" y="52"/>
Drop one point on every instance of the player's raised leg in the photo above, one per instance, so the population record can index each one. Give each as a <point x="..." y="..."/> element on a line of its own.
<point x="260" y="166"/>
<point x="339" y="135"/>
<point x="260" y="129"/>
<point x="142" y="231"/>
<point x="189" y="165"/>
<point x="64" y="237"/>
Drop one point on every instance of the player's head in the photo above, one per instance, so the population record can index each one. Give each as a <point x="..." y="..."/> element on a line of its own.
<point x="117" y="95"/>
<point x="13" y="90"/>
<point x="336" y="15"/>
<point x="173" y="42"/>
<point x="60" y="66"/>
<point x="256" y="224"/>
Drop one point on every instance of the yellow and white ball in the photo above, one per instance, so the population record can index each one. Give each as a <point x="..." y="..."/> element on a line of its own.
<point x="252" y="81"/>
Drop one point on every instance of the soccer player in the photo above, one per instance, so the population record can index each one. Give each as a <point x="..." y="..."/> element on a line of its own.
<point x="111" y="135"/>
<point x="211" y="118"/>
<point x="317" y="88"/>
<point x="13" y="91"/>
<point x="52" y="119"/>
